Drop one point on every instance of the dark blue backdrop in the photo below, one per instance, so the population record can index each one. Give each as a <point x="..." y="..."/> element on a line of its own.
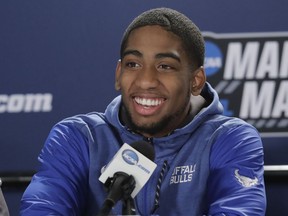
<point x="69" y="49"/>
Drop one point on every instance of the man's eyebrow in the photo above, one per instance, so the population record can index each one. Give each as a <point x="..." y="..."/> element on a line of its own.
<point x="157" y="56"/>
<point x="168" y="55"/>
<point x="132" y="52"/>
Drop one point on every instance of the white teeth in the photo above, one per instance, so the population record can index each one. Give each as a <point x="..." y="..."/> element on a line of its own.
<point x="148" y="102"/>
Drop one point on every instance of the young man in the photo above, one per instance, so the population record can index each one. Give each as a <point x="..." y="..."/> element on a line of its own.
<point x="207" y="164"/>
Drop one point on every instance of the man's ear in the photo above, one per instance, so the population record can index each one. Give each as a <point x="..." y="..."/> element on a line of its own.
<point x="117" y="75"/>
<point x="198" y="81"/>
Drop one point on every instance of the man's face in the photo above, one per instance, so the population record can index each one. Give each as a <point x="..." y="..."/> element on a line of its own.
<point x="155" y="79"/>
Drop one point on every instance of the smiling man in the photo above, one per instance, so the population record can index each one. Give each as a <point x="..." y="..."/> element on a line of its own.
<point x="207" y="163"/>
<point x="156" y="78"/>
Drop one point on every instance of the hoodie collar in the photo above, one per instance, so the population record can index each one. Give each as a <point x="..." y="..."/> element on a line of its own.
<point x="205" y="104"/>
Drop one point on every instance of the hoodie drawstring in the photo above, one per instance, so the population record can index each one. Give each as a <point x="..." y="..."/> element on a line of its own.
<point x="158" y="187"/>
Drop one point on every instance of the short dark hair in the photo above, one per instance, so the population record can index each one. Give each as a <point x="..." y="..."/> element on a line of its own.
<point x="176" y="22"/>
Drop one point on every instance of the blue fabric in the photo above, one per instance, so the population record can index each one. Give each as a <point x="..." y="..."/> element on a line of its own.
<point x="206" y="158"/>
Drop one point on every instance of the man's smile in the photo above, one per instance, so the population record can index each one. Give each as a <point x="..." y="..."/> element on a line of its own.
<point x="147" y="106"/>
<point x="149" y="101"/>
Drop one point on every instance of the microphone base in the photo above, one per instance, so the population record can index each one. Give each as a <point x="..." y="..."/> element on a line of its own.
<point x="106" y="208"/>
<point x="128" y="207"/>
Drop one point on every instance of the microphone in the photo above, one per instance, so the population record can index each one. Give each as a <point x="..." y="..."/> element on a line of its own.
<point x="127" y="172"/>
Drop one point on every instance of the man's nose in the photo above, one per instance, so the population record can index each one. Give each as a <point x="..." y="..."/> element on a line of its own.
<point x="148" y="78"/>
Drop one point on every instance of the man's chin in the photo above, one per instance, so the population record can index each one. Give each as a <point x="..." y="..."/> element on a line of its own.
<point x="152" y="128"/>
<point x="144" y="125"/>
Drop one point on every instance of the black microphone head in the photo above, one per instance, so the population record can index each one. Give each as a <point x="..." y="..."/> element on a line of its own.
<point x="144" y="148"/>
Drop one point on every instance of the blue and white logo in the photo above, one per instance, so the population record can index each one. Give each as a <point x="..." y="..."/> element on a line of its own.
<point x="213" y="59"/>
<point x="130" y="157"/>
<point x="249" y="73"/>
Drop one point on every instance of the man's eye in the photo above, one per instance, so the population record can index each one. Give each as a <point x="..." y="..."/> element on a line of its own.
<point x="131" y="64"/>
<point x="165" y="67"/>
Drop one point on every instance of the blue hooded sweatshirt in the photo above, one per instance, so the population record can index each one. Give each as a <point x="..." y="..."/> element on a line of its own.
<point x="211" y="166"/>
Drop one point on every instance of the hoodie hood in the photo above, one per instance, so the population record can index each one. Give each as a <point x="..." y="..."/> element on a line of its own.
<point x="203" y="106"/>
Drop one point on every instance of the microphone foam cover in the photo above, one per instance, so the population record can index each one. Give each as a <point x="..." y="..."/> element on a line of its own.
<point x="144" y="148"/>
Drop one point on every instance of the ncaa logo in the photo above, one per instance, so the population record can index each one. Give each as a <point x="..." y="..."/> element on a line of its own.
<point x="130" y="157"/>
<point x="213" y="58"/>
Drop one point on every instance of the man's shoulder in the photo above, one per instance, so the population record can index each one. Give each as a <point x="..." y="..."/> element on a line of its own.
<point x="227" y="121"/>
<point x="88" y="118"/>
<point x="81" y="121"/>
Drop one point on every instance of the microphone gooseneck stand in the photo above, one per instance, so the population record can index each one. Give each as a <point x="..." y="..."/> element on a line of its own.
<point x="120" y="186"/>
